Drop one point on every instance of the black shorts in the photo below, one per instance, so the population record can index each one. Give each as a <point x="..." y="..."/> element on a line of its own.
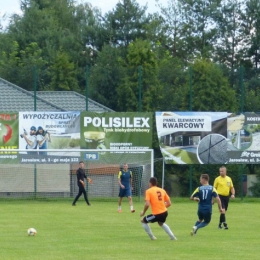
<point x="224" y="201"/>
<point x="156" y="218"/>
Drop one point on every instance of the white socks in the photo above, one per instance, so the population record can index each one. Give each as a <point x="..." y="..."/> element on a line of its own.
<point x="147" y="229"/>
<point x="167" y="229"/>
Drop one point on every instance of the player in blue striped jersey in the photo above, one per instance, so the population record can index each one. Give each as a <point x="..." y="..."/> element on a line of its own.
<point x="204" y="195"/>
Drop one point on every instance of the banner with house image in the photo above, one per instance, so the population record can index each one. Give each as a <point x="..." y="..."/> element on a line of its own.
<point x="244" y="138"/>
<point x="192" y="137"/>
<point x="44" y="131"/>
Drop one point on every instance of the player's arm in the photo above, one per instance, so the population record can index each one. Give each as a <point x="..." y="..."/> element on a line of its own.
<point x="146" y="207"/>
<point x="219" y="204"/>
<point x="233" y="192"/>
<point x="119" y="180"/>
<point x="194" y="195"/>
<point x="131" y="180"/>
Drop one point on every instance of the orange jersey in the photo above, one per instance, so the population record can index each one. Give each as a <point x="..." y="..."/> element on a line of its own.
<point x="157" y="198"/>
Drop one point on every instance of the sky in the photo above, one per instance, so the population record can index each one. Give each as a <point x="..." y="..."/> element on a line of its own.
<point x="9" y="7"/>
<point x="13" y="6"/>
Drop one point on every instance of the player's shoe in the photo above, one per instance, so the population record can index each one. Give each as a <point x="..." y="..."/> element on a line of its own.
<point x="119" y="210"/>
<point x="133" y="210"/>
<point x="89" y="204"/>
<point x="73" y="204"/>
<point x="225" y="225"/>
<point x="153" y="238"/>
<point x="193" y="231"/>
<point x="173" y="238"/>
<point x="220" y="226"/>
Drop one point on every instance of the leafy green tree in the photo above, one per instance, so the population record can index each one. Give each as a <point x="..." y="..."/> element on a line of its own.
<point x="141" y="62"/>
<point x="230" y="37"/>
<point x="63" y="73"/>
<point x="126" y="23"/>
<point x="210" y="89"/>
<point x="17" y="65"/>
<point x="107" y="74"/>
<point x="198" y="26"/>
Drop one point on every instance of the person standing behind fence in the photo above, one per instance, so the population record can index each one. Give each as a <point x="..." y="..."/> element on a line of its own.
<point x="81" y="184"/>
<point x="125" y="178"/>
<point x="224" y="185"/>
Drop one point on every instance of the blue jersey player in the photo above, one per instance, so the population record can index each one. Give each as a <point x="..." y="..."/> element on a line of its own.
<point x="125" y="178"/>
<point x="204" y="195"/>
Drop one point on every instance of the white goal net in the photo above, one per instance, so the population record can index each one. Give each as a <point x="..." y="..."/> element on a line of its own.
<point x="52" y="173"/>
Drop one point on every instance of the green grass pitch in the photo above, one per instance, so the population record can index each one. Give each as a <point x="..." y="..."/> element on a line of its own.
<point x="100" y="232"/>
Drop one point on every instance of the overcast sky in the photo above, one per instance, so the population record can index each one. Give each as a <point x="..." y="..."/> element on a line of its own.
<point x="9" y="7"/>
<point x="13" y="6"/>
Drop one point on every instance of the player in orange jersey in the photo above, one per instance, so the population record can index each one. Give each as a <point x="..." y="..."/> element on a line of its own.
<point x="159" y="201"/>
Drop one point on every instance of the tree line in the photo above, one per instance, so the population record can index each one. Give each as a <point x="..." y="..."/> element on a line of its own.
<point x="200" y="55"/>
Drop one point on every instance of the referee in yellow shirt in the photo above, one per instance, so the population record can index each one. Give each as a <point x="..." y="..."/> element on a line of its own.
<point x="224" y="186"/>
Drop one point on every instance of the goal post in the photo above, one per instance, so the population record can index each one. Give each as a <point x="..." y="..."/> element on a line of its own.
<point x="52" y="173"/>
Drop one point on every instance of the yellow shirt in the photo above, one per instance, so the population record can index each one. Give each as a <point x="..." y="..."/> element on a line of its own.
<point x="223" y="185"/>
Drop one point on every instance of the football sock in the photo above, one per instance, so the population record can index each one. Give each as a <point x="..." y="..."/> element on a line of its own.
<point x="131" y="207"/>
<point x="201" y="225"/>
<point x="147" y="229"/>
<point x="222" y="218"/>
<point x="167" y="230"/>
<point x="119" y="207"/>
<point x="197" y="223"/>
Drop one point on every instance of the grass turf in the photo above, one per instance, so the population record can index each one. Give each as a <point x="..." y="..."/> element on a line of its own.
<point x="100" y="232"/>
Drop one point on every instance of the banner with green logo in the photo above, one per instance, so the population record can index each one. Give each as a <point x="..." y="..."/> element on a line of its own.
<point x="116" y="130"/>
<point x="8" y="136"/>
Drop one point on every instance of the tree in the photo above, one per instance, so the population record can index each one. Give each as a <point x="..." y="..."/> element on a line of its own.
<point x="63" y="73"/>
<point x="107" y="74"/>
<point x="126" y="23"/>
<point x="140" y="59"/>
<point x="210" y="89"/>
<point x="230" y="44"/>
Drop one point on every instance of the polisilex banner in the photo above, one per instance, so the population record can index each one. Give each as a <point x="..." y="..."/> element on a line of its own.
<point x="192" y="137"/>
<point x="244" y="138"/>
<point x="126" y="131"/>
<point x="43" y="131"/>
<point x="8" y="136"/>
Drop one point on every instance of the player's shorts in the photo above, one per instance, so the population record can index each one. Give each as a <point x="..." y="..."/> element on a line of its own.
<point x="224" y="201"/>
<point x="205" y="216"/>
<point x="156" y="218"/>
<point x="124" y="193"/>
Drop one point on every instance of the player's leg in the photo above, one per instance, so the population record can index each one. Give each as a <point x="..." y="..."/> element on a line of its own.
<point x="149" y="218"/>
<point x="77" y="197"/>
<point x="226" y="207"/>
<point x="206" y="216"/>
<point x="161" y="222"/>
<point x="222" y="218"/>
<point x="85" y="196"/>
<point x="195" y="227"/>
<point x="131" y="203"/>
<point x="121" y="195"/>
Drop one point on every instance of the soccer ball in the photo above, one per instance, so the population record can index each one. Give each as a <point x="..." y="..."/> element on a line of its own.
<point x="31" y="232"/>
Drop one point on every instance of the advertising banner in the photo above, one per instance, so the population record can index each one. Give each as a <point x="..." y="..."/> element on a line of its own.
<point x="244" y="139"/>
<point x="116" y="130"/>
<point x="192" y="137"/>
<point x="43" y="131"/>
<point x="8" y="136"/>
